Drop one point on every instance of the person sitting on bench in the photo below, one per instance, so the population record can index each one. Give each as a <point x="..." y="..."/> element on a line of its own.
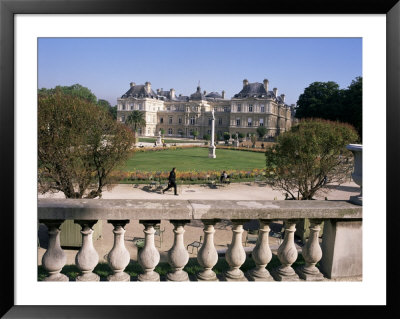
<point x="224" y="177"/>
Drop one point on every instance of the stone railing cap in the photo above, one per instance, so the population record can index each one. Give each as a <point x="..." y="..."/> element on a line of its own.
<point x="88" y="209"/>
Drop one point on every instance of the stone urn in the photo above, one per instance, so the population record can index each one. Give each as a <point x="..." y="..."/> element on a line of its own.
<point x="356" y="149"/>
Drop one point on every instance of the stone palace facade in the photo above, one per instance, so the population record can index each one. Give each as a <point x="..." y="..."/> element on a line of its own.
<point x="255" y="105"/>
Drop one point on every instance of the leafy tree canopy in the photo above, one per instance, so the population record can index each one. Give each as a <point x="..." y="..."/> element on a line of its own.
<point x="78" y="145"/>
<point x="325" y="100"/>
<point x="261" y="131"/>
<point x="74" y="90"/>
<point x="310" y="156"/>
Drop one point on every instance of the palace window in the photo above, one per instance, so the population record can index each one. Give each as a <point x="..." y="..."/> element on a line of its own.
<point x="261" y="122"/>
<point x="209" y="121"/>
<point x="123" y="107"/>
<point x="140" y="106"/>
<point x="131" y="106"/>
<point x="180" y="120"/>
<point x="161" y="120"/>
<point x="209" y="132"/>
<point x="192" y="121"/>
<point x="226" y="109"/>
<point x="237" y="122"/>
<point x="123" y="118"/>
<point x="180" y="132"/>
<point x="239" y="107"/>
<point x="262" y="109"/>
<point x="249" y="122"/>
<point x="170" y="120"/>
<point x="168" y="108"/>
<point x="250" y="108"/>
<point x="220" y="121"/>
<point x="170" y="131"/>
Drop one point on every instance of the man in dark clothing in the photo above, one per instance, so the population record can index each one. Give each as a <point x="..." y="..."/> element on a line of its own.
<point x="171" y="182"/>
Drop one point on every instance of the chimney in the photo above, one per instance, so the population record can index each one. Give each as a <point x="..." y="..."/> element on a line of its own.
<point x="172" y="93"/>
<point x="223" y="94"/>
<point x="132" y="84"/>
<point x="245" y="82"/>
<point x="180" y="95"/>
<point x="283" y="97"/>
<point x="205" y="92"/>
<point x="158" y="91"/>
<point x="266" y="82"/>
<point x="147" y="86"/>
<point x="275" y="91"/>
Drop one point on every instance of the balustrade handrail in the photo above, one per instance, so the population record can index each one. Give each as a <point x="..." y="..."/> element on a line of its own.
<point x="122" y="209"/>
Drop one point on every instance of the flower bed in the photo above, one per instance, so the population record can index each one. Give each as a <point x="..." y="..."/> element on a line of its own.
<point x="120" y="176"/>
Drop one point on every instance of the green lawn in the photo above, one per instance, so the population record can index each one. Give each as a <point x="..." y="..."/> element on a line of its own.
<point x="194" y="159"/>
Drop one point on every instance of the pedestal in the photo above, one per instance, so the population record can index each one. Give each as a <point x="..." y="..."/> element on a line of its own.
<point x="211" y="151"/>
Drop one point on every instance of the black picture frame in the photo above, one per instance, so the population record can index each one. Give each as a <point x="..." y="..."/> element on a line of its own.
<point x="8" y="10"/>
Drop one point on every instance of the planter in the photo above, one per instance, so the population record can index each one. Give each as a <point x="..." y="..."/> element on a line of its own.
<point x="356" y="149"/>
<point x="70" y="235"/>
<point x="303" y="229"/>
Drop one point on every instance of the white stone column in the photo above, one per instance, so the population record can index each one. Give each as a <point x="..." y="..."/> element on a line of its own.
<point x="87" y="258"/>
<point x="211" y="149"/>
<point x="235" y="255"/>
<point x="54" y="258"/>
<point x="118" y="257"/>
<point x="178" y="255"/>
<point x="148" y="256"/>
<point x="287" y="254"/>
<point x="356" y="149"/>
<point x="261" y="254"/>
<point x="312" y="253"/>
<point x="207" y="255"/>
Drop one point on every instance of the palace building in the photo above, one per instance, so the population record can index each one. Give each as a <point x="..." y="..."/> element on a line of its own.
<point x="255" y="105"/>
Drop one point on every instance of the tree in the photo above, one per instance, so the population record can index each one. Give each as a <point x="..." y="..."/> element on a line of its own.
<point x="76" y="90"/>
<point x="241" y="135"/>
<point x="107" y="106"/>
<point x="253" y="140"/>
<point x="135" y="120"/>
<point x="309" y="156"/>
<point x="261" y="131"/>
<point x="79" y="144"/>
<point x="325" y="100"/>
<point x="227" y="136"/>
<point x="195" y="134"/>
<point x="207" y="137"/>
<point x="162" y="132"/>
<point x="352" y="105"/>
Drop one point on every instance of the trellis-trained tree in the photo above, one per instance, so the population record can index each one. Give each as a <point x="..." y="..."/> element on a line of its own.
<point x="309" y="156"/>
<point x="78" y="145"/>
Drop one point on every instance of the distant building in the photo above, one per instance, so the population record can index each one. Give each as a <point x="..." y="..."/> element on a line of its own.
<point x="180" y="116"/>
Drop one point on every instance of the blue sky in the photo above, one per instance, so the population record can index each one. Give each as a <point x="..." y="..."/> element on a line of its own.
<point x="107" y="65"/>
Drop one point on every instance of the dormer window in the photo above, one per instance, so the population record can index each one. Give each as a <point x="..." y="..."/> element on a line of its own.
<point x="250" y="108"/>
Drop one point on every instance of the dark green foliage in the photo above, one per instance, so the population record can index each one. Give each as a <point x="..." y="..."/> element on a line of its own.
<point x="261" y="131"/>
<point x="207" y="137"/>
<point x="76" y="90"/>
<point x="310" y="154"/>
<point x="325" y="100"/>
<point x="227" y="136"/>
<point x="136" y="120"/>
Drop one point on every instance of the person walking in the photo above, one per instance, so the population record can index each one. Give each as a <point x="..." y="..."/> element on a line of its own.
<point x="171" y="181"/>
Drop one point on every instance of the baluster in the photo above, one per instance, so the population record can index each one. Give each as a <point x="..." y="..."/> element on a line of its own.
<point x="148" y="256"/>
<point x="178" y="255"/>
<point x="54" y="258"/>
<point x="235" y="255"/>
<point x="87" y="258"/>
<point x="207" y="255"/>
<point x="118" y="257"/>
<point x="312" y="253"/>
<point x="261" y="254"/>
<point x="287" y="254"/>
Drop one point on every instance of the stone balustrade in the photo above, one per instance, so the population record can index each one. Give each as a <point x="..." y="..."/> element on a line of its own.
<point x="339" y="255"/>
